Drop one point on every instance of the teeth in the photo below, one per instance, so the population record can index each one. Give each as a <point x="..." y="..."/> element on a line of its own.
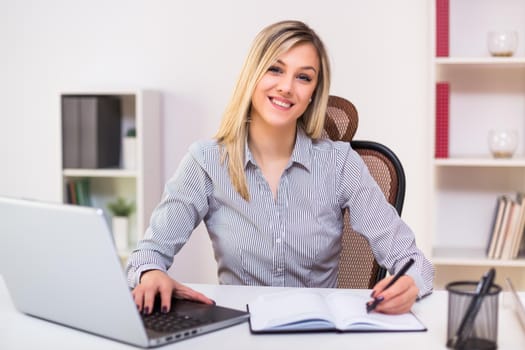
<point x="281" y="104"/>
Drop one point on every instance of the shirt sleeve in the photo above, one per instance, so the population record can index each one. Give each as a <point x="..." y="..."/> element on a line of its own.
<point x="181" y="209"/>
<point x="371" y="215"/>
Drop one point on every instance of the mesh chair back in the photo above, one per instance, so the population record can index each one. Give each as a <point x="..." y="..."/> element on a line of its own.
<point x="358" y="267"/>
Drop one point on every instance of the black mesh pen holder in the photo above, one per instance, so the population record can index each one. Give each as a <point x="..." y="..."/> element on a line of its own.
<point x="482" y="332"/>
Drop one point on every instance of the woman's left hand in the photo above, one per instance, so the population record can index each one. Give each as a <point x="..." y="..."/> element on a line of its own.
<point x="398" y="298"/>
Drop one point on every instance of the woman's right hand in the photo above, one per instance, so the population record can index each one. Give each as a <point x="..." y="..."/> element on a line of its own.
<point x="157" y="281"/>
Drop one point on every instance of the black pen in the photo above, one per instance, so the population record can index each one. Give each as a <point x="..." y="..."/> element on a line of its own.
<point x="404" y="269"/>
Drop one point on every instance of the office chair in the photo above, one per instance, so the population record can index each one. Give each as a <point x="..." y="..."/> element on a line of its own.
<point x="358" y="267"/>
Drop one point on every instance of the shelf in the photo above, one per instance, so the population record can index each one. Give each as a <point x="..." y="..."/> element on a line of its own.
<point x="454" y="256"/>
<point x="106" y="92"/>
<point x="518" y="62"/>
<point x="108" y="173"/>
<point x="479" y="162"/>
<point x="142" y="182"/>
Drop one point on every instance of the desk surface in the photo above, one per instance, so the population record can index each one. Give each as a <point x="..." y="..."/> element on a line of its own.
<point x="18" y="331"/>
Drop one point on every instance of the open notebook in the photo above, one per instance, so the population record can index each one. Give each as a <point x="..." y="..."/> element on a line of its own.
<point x="67" y="271"/>
<point x="301" y="310"/>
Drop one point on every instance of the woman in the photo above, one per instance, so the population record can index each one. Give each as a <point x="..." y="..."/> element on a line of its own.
<point x="271" y="193"/>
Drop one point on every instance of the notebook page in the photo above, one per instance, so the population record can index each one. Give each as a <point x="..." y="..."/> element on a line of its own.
<point x="290" y="309"/>
<point x="349" y="310"/>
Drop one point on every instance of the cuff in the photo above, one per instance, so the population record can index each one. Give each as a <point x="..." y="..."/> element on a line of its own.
<point x="420" y="284"/>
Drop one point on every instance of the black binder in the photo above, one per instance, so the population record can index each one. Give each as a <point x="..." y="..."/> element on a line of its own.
<point x="91" y="127"/>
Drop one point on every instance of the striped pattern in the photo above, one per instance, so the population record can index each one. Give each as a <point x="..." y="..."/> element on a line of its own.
<point x="291" y="241"/>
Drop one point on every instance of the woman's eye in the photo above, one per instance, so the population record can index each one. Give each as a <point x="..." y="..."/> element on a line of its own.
<point x="274" y="69"/>
<point x="304" y="77"/>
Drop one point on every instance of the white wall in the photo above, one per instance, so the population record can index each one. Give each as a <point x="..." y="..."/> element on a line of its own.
<point x="192" y="51"/>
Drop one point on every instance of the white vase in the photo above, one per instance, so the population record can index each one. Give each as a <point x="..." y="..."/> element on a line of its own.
<point x="120" y="233"/>
<point x="129" y="152"/>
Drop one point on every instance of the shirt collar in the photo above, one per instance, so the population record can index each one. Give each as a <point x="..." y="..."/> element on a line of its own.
<point x="300" y="154"/>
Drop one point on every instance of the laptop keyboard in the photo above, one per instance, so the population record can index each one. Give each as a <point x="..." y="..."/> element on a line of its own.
<point x="170" y="322"/>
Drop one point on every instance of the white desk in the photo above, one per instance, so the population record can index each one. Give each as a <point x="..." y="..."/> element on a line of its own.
<point x="18" y="331"/>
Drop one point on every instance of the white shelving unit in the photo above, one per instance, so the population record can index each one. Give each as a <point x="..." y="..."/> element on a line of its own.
<point x="140" y="109"/>
<point x="485" y="93"/>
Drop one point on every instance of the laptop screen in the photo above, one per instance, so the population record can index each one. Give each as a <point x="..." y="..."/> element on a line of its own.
<point x="518" y="303"/>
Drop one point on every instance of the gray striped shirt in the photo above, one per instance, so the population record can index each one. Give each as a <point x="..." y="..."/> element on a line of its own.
<point x="293" y="240"/>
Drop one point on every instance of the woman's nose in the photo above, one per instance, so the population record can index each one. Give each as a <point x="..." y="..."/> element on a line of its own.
<point x="285" y="85"/>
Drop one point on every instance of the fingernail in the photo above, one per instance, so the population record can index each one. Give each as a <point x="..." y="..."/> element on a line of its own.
<point x="164" y="310"/>
<point x="214" y="303"/>
<point x="138" y="307"/>
<point x="381" y="298"/>
<point x="146" y="310"/>
<point x="372" y="294"/>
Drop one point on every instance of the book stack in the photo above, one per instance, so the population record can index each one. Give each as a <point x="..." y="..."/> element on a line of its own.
<point x="78" y="192"/>
<point x="442" y="119"/>
<point x="442" y="28"/>
<point x="91" y="131"/>
<point x="506" y="239"/>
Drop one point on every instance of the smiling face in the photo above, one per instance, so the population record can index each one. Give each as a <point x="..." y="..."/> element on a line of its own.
<point x="283" y="93"/>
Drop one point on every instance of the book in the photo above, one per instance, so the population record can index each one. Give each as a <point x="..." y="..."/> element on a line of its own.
<point x="442" y="119"/>
<point x="306" y="310"/>
<point x="511" y="230"/>
<point x="521" y="249"/>
<point x="442" y="28"/>
<point x="496" y="224"/>
<point x="83" y="192"/>
<point x="518" y="236"/>
<point x="100" y="135"/>
<point x="70" y="132"/>
<point x="504" y="228"/>
<point x="71" y="192"/>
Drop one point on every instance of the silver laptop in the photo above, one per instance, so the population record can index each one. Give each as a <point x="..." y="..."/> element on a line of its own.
<point x="60" y="264"/>
<point x="518" y="304"/>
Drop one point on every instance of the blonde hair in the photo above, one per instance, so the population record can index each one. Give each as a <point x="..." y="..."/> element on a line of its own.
<point x="268" y="45"/>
